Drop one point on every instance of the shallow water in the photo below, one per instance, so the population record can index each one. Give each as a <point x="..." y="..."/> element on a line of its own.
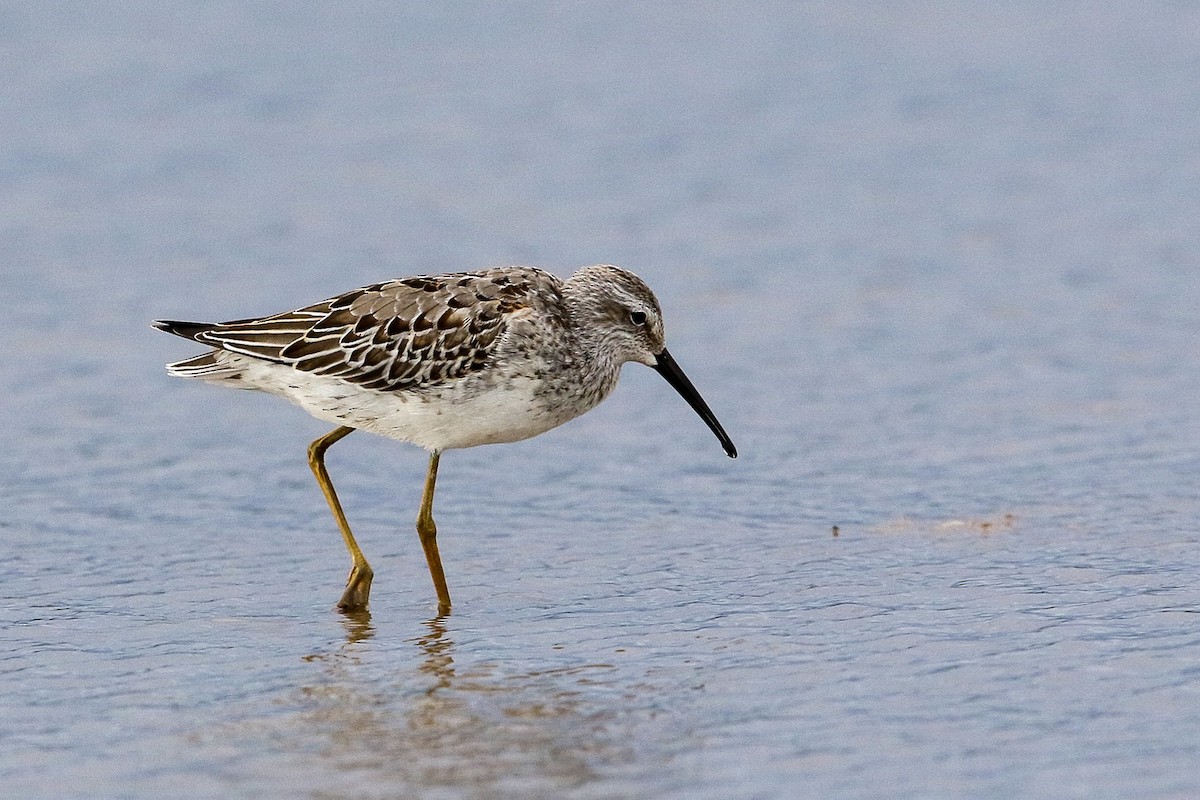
<point x="932" y="264"/>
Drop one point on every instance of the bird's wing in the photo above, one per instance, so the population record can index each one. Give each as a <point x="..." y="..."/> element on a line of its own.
<point x="403" y="334"/>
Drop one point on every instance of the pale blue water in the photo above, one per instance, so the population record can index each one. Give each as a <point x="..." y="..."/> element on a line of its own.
<point x="934" y="265"/>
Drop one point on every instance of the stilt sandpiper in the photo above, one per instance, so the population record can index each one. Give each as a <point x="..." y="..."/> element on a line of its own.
<point x="444" y="361"/>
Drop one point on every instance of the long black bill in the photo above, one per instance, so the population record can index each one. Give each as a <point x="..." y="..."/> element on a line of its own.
<point x="667" y="367"/>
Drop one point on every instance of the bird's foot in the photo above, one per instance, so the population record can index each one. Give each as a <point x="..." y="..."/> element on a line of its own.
<point x="358" y="589"/>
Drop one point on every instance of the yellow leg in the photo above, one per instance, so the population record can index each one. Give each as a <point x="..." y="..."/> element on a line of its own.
<point x="428" y="533"/>
<point x="358" y="585"/>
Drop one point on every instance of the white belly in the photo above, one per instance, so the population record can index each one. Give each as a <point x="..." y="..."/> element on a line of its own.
<point x="461" y="415"/>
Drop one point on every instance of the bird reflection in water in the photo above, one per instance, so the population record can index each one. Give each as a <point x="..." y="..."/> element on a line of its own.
<point x="439" y="654"/>
<point x="449" y="725"/>
<point x="358" y="626"/>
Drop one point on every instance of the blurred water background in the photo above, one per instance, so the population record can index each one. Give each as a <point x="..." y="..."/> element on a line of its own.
<point x="933" y="264"/>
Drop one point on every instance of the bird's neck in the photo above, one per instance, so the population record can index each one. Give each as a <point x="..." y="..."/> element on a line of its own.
<point x="596" y="357"/>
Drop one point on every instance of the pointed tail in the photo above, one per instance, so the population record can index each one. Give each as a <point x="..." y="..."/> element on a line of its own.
<point x="188" y="330"/>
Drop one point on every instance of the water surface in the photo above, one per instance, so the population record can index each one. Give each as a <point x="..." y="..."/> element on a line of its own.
<point x="932" y="264"/>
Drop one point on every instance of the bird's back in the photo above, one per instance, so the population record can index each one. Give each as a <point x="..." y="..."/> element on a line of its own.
<point x="400" y="335"/>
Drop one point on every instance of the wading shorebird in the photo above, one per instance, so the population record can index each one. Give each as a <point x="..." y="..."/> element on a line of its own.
<point x="444" y="361"/>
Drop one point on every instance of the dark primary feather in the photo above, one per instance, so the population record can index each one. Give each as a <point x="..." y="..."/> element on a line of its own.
<point x="188" y="330"/>
<point x="401" y="334"/>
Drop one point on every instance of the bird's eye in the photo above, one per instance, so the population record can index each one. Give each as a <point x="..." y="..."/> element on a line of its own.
<point x="637" y="317"/>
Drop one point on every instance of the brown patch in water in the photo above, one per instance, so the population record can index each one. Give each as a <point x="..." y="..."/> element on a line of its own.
<point x="1001" y="522"/>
